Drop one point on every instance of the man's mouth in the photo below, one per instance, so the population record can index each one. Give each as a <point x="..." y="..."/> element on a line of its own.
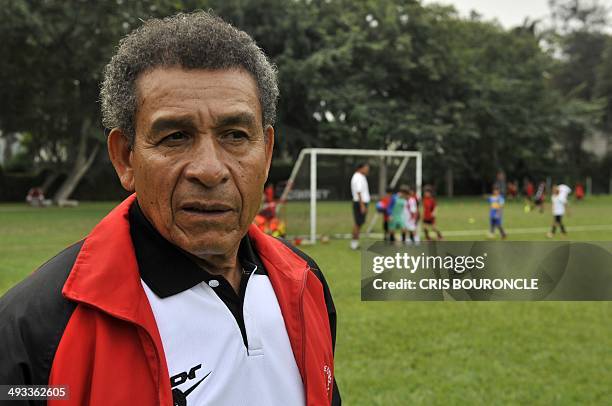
<point x="209" y="209"/>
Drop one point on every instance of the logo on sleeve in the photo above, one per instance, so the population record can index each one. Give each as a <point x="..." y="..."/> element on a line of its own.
<point x="179" y="396"/>
<point x="328" y="375"/>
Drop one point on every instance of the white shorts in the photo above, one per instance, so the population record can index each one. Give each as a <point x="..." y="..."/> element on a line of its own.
<point x="411" y="224"/>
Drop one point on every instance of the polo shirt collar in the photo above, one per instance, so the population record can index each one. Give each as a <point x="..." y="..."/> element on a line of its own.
<point x="167" y="269"/>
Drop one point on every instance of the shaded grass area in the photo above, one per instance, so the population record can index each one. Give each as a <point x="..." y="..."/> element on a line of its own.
<point x="399" y="353"/>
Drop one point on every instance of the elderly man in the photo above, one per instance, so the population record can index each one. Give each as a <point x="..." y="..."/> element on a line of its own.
<point x="174" y="297"/>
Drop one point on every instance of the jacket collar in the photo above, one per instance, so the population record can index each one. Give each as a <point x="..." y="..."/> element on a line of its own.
<point x="167" y="269"/>
<point x="105" y="274"/>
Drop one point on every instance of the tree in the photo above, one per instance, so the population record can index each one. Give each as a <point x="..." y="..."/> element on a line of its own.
<point x="473" y="96"/>
<point x="603" y="86"/>
<point x="51" y="81"/>
<point x="580" y="76"/>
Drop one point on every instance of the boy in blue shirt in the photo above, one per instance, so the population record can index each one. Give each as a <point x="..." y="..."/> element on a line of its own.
<point x="496" y="204"/>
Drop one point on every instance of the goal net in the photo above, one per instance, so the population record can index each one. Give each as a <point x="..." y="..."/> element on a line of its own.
<point x="315" y="202"/>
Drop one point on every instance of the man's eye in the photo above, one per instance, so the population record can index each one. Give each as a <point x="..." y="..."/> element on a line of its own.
<point x="236" y="136"/>
<point x="175" y="137"/>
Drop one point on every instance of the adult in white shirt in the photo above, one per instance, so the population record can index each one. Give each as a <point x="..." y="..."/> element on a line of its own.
<point x="361" y="198"/>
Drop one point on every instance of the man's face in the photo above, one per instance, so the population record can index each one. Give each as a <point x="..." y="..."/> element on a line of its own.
<point x="365" y="170"/>
<point x="200" y="157"/>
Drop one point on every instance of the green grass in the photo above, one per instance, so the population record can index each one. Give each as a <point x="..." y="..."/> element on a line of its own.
<point x="30" y="236"/>
<point x="455" y="214"/>
<point x="403" y="353"/>
<point x="440" y="353"/>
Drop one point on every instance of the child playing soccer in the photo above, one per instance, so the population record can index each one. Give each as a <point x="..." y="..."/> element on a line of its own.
<point x="564" y="191"/>
<point x="429" y="214"/>
<point x="496" y="204"/>
<point x="396" y="215"/>
<point x="579" y="191"/>
<point x="539" y="196"/>
<point x="411" y="212"/>
<point x="558" y="208"/>
<point x="382" y="207"/>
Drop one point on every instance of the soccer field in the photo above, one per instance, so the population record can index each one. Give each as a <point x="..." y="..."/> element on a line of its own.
<point x="406" y="353"/>
<point x="468" y="219"/>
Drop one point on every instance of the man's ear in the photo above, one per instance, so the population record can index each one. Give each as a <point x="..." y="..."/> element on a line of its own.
<point x="120" y="153"/>
<point x="269" y="140"/>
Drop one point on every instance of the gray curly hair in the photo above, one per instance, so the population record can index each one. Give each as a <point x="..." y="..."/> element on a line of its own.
<point x="196" y="40"/>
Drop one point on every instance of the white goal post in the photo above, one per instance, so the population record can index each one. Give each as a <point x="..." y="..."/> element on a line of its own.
<point x="314" y="152"/>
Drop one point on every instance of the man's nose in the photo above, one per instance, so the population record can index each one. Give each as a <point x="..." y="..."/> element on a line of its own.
<point x="207" y="163"/>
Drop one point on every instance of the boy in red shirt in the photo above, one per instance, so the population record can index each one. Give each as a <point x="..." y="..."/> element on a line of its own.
<point x="429" y="214"/>
<point x="384" y="207"/>
<point x="579" y="191"/>
<point x="529" y="189"/>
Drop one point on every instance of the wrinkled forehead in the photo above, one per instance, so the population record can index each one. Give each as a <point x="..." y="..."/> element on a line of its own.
<point x="207" y="94"/>
<point x="163" y="78"/>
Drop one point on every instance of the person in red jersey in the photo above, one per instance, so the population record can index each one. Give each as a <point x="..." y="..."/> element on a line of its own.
<point x="429" y="214"/>
<point x="512" y="190"/>
<point x="383" y="207"/>
<point x="579" y="191"/>
<point x="529" y="190"/>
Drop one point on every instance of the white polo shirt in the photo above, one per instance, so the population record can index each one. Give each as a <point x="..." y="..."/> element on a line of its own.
<point x="221" y="348"/>
<point x="564" y="191"/>
<point x="359" y="184"/>
<point x="558" y="205"/>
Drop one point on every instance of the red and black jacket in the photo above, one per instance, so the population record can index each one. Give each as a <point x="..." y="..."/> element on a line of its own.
<point x="84" y="320"/>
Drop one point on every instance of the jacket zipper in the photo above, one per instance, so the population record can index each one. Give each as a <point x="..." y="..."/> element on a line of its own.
<point x="303" y="323"/>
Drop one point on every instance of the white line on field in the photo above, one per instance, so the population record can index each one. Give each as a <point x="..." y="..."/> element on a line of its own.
<point x="509" y="231"/>
<point x="531" y="230"/>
